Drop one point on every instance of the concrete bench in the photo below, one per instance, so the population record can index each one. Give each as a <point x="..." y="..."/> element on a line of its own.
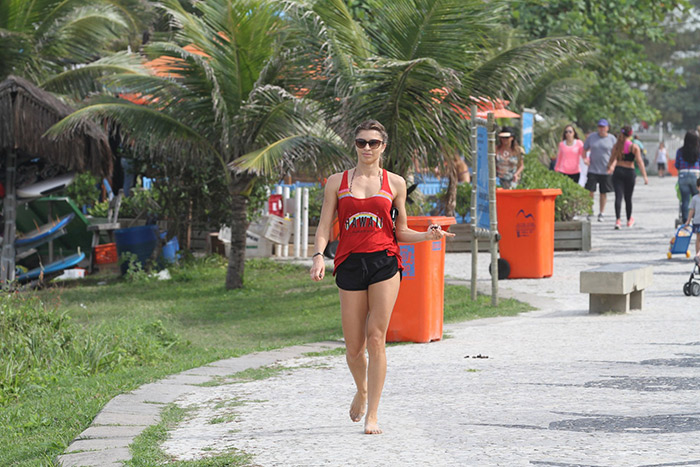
<point x="616" y="287"/>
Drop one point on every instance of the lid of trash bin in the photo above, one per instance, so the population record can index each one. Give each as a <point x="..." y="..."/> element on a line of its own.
<point x="533" y="192"/>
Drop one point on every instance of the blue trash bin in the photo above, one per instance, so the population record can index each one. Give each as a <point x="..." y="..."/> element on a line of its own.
<point x="140" y="240"/>
<point x="170" y="250"/>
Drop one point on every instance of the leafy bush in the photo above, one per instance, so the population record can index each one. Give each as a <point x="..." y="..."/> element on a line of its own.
<point x="141" y="201"/>
<point x="84" y="189"/>
<point x="38" y="343"/>
<point x="574" y="200"/>
<point x="315" y="202"/>
<point x="464" y="199"/>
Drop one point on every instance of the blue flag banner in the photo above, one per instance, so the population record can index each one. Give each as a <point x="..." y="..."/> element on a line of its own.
<point x="483" y="220"/>
<point x="528" y="130"/>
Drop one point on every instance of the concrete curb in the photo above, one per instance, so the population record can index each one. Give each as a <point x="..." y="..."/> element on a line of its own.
<point x="106" y="442"/>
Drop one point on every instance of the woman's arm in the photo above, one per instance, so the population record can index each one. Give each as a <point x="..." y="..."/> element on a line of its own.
<point x="403" y="233"/>
<point x="323" y="231"/>
<point x="519" y="170"/>
<point x="611" y="164"/>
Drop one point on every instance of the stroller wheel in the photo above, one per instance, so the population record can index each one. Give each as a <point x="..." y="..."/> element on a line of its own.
<point x="687" y="254"/>
<point x="668" y="255"/>
<point x="503" y="269"/>
<point x="695" y="289"/>
<point x="686" y="289"/>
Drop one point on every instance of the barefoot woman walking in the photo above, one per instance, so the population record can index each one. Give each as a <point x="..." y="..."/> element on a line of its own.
<point x="367" y="261"/>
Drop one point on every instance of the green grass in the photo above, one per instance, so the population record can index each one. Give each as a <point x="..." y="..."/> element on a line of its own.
<point x="146" y="451"/>
<point x="140" y="331"/>
<point x="327" y="353"/>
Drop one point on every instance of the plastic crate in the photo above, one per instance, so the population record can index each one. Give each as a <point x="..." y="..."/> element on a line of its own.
<point x="278" y="229"/>
<point x="106" y="254"/>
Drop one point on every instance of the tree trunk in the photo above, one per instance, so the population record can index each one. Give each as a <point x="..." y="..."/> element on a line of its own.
<point x="451" y="199"/>
<point x="236" y="259"/>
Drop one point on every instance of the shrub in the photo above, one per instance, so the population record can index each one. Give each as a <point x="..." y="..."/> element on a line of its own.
<point x="84" y="189"/>
<point x="315" y="202"/>
<point x="574" y="200"/>
<point x="141" y="202"/>
<point x="38" y="344"/>
<point x="464" y="199"/>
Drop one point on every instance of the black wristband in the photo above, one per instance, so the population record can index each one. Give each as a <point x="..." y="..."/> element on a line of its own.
<point x="316" y="254"/>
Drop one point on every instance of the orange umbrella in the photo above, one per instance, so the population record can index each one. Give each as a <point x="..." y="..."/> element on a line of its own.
<point x="483" y="105"/>
<point x="164" y="66"/>
<point x="497" y="108"/>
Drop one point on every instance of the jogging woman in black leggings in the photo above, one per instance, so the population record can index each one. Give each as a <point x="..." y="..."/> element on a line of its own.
<point x="624" y="154"/>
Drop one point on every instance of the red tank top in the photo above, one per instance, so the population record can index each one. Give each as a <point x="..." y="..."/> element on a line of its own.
<point x="365" y="223"/>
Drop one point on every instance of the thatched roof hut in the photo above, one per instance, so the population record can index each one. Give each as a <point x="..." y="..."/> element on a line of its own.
<point x="27" y="111"/>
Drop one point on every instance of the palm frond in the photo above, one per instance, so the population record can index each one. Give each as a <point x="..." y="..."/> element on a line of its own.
<point x="84" y="80"/>
<point x="12" y="53"/>
<point x="519" y="66"/>
<point x="554" y="95"/>
<point x="413" y="99"/>
<point x="148" y="130"/>
<point x="290" y="131"/>
<point x="83" y="32"/>
<point x="290" y="152"/>
<point x="337" y="25"/>
<point x="324" y="46"/>
<point x="440" y="29"/>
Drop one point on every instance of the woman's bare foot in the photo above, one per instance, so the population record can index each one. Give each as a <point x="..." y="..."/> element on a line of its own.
<point x="371" y="427"/>
<point x="358" y="407"/>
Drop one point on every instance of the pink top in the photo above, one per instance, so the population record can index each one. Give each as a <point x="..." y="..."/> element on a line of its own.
<point x="568" y="157"/>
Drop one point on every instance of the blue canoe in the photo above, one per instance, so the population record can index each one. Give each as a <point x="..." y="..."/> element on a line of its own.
<point x="44" y="233"/>
<point x="55" y="267"/>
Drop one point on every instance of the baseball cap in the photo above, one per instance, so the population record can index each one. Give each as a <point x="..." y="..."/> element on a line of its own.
<point x="506" y="132"/>
<point x="603" y="122"/>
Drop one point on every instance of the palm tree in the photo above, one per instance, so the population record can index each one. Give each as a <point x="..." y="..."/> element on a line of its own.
<point x="226" y="94"/>
<point x="43" y="38"/>
<point x="412" y="62"/>
<point x="232" y="91"/>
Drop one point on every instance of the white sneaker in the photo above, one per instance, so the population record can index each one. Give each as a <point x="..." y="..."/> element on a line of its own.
<point x="600" y="217"/>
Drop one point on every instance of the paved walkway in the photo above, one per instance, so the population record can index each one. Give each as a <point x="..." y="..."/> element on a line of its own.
<point x="560" y="387"/>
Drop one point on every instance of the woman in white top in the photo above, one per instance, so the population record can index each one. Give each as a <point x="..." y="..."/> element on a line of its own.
<point x="661" y="159"/>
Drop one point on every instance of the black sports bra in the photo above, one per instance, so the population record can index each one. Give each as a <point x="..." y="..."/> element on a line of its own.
<point x="629" y="157"/>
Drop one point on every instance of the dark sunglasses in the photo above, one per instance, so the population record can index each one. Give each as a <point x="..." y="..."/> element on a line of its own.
<point x="373" y="143"/>
<point x="568" y="131"/>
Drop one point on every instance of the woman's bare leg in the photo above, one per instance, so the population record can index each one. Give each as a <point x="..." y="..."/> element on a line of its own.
<point x="382" y="297"/>
<point x="353" y="308"/>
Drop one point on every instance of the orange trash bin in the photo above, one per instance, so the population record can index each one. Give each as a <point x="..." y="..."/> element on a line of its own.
<point x="417" y="314"/>
<point x="671" y="167"/>
<point x="526" y="225"/>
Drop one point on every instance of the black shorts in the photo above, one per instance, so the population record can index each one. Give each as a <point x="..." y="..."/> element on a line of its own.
<point x="603" y="181"/>
<point x="360" y="270"/>
<point x="574" y="177"/>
